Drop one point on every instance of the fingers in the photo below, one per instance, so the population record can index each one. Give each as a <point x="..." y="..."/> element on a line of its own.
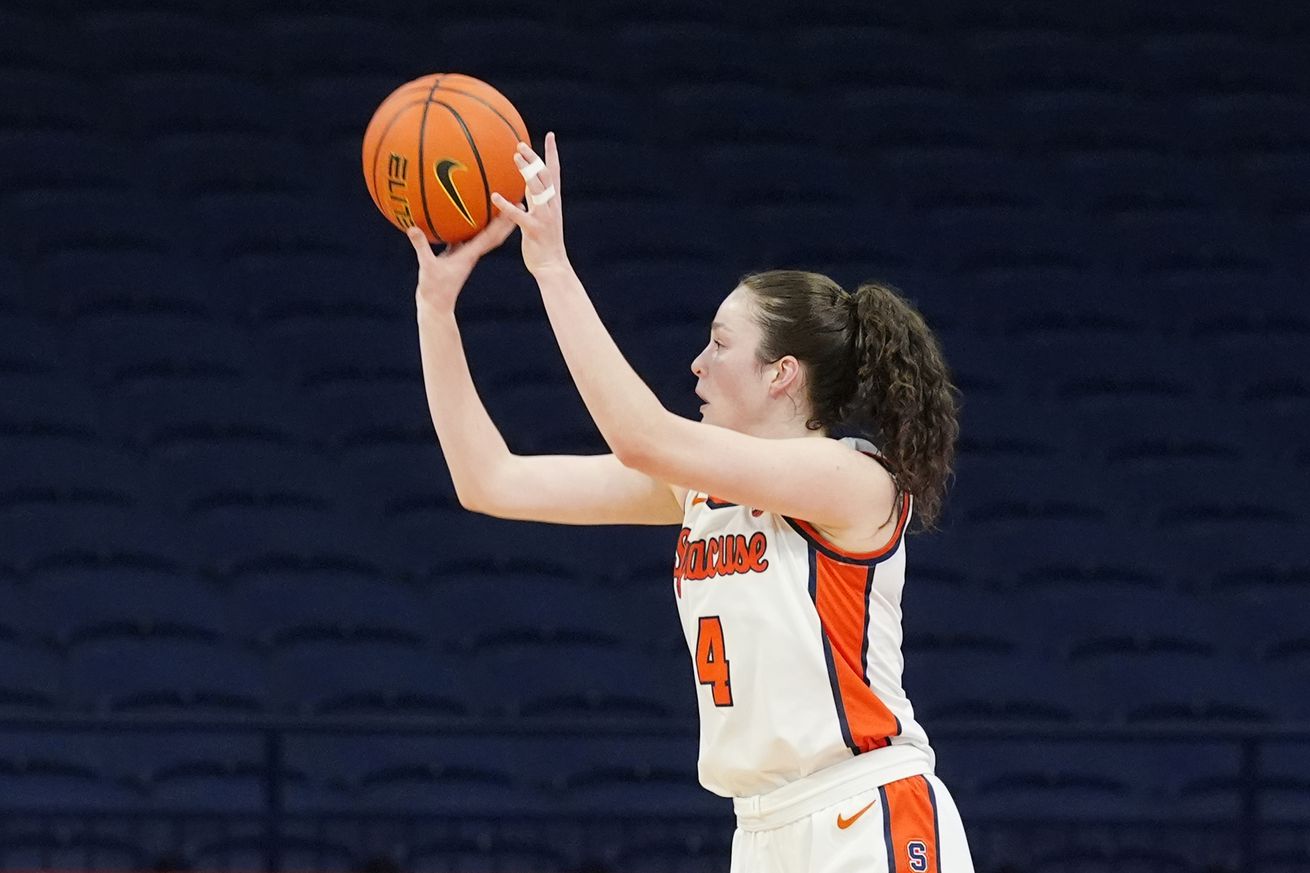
<point x="512" y="211"/>
<point x="533" y="184"/>
<point x="493" y="234"/>
<point x="545" y="182"/>
<point x="420" y="242"/>
<point x="552" y="163"/>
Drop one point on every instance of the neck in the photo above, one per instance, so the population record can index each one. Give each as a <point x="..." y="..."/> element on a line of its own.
<point x="793" y="428"/>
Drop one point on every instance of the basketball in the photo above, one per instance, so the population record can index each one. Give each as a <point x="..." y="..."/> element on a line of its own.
<point x="436" y="149"/>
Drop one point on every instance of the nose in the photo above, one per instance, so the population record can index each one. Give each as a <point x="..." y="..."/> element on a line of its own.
<point x="696" y="366"/>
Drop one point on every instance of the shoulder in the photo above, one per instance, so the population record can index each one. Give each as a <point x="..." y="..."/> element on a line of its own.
<point x="879" y="524"/>
<point x="873" y="458"/>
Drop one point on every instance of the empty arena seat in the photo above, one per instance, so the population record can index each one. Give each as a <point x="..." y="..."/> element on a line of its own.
<point x="484" y="856"/>
<point x="981" y="239"/>
<point x="1162" y="679"/>
<point x="221" y="495"/>
<point x="458" y="773"/>
<point x="235" y="223"/>
<point x="249" y="852"/>
<point x="971" y="677"/>
<point x="572" y="676"/>
<point x="78" y="604"/>
<point x="30" y="675"/>
<point x="321" y="42"/>
<point x="472" y="608"/>
<point x="588" y="774"/>
<point x="827" y="55"/>
<point x="1085" y="858"/>
<point x="171" y="769"/>
<point x="1110" y="181"/>
<point x="32" y="465"/>
<point x="802" y="235"/>
<point x="38" y="848"/>
<point x="504" y="353"/>
<point x="600" y="171"/>
<point x="751" y="173"/>
<point x="193" y="475"/>
<point x="1188" y="239"/>
<point x="657" y="230"/>
<point x="1267" y="121"/>
<point x="165" y="674"/>
<point x="108" y="219"/>
<point x="50" y="100"/>
<point x="1075" y="778"/>
<point x="912" y="116"/>
<point x="649" y="294"/>
<point x="690" y="854"/>
<point x="199" y="101"/>
<point x="42" y="159"/>
<point x="1048" y="58"/>
<point x="305" y="346"/>
<point x="51" y="769"/>
<point x="46" y="401"/>
<point x="129" y="339"/>
<point x="147" y="41"/>
<point x="1077" y="119"/>
<point x="283" y="606"/>
<point x="949" y="176"/>
<point x="371" y="675"/>
<point x="194" y="164"/>
<point x="288" y="286"/>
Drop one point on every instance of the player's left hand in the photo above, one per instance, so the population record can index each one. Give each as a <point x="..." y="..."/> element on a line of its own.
<point x="542" y="222"/>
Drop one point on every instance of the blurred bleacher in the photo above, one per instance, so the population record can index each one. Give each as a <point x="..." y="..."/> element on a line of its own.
<point x="220" y="494"/>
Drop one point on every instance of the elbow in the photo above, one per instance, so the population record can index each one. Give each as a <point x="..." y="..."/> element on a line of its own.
<point x="631" y="455"/>
<point x="639" y="448"/>
<point x="473" y="503"/>
<point x="485" y="492"/>
<point x="476" y="500"/>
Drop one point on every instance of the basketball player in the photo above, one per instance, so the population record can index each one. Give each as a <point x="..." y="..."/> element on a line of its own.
<point x="791" y="555"/>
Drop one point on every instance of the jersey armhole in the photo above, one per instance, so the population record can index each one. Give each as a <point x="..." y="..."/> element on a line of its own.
<point x="819" y="542"/>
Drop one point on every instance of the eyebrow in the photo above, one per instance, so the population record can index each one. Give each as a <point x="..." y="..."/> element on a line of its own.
<point x="718" y="325"/>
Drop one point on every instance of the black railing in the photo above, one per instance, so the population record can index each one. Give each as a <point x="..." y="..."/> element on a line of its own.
<point x="275" y="732"/>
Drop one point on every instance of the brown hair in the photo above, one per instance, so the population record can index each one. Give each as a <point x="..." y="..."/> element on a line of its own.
<point x="870" y="362"/>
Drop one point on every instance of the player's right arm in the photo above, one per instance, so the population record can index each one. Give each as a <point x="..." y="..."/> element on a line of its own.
<point x="488" y="478"/>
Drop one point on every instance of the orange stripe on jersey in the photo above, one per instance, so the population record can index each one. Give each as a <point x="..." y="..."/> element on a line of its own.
<point x="841" y="596"/>
<point x="909" y="816"/>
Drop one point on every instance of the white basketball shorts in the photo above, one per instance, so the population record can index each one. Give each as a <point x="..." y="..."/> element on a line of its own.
<point x="910" y="825"/>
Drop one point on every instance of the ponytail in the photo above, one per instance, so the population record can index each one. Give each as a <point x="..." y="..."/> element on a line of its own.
<point x="872" y="363"/>
<point x="905" y="395"/>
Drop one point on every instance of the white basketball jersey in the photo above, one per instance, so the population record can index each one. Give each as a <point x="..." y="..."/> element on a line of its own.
<point x="795" y="645"/>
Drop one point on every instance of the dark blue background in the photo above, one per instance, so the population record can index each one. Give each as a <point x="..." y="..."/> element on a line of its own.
<point x="221" y="498"/>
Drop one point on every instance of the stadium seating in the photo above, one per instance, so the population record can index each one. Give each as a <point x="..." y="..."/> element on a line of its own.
<point x="221" y="496"/>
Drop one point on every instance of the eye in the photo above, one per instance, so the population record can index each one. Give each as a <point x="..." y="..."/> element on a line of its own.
<point x="717" y="344"/>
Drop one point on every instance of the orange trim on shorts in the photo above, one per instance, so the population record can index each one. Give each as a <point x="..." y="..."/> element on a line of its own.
<point x="910" y="826"/>
<point x="841" y="598"/>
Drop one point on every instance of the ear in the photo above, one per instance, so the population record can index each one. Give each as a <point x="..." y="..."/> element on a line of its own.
<point x="788" y="376"/>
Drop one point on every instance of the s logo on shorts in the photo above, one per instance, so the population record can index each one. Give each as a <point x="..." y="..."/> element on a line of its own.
<point x="918" y="853"/>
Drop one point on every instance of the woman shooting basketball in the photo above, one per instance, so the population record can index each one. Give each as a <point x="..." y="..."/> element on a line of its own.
<point x="791" y="556"/>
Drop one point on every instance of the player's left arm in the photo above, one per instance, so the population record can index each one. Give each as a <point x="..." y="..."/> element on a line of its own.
<point x="817" y="480"/>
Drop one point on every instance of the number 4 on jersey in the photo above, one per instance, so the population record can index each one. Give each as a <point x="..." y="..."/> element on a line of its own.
<point x="712" y="660"/>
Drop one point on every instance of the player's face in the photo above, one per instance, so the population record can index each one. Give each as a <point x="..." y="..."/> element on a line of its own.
<point x="729" y="378"/>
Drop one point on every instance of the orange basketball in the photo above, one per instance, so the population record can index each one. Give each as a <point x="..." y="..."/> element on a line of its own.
<point x="436" y="149"/>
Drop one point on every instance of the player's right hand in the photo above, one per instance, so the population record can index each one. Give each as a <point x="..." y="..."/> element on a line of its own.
<point x="442" y="276"/>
